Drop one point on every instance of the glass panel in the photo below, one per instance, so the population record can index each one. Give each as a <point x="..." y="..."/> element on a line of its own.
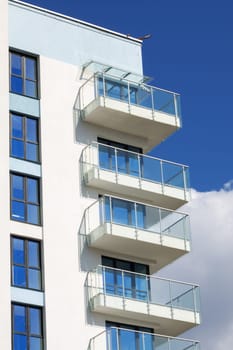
<point x="18" y="251"/>
<point x="30" y="68"/>
<point x="33" y="214"/>
<point x="127" y="340"/>
<point x="107" y="209"/>
<point x="173" y="174"/>
<point x="32" y="190"/>
<point x="16" y="64"/>
<point x="107" y="157"/>
<point x="147" y="341"/>
<point x="32" y="152"/>
<point x="35" y="321"/>
<point x="17" y="149"/>
<point x="18" y="211"/>
<point x="19" y="276"/>
<point x="123" y="212"/>
<point x="164" y="101"/>
<point x="150" y="169"/>
<point x="35" y="343"/>
<point x="127" y="163"/>
<point x="20" y="342"/>
<point x="33" y="254"/>
<point x="30" y="88"/>
<point x="112" y="340"/>
<point x="141" y="286"/>
<point x="16" y="85"/>
<point x="17" y="187"/>
<point x="140" y="212"/>
<point x="17" y="126"/>
<point x="19" y="318"/>
<point x="31" y="127"/>
<point x="144" y="98"/>
<point x="34" y="279"/>
<point x="129" y="285"/>
<point x="109" y="278"/>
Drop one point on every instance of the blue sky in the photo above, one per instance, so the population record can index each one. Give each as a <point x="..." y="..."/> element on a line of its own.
<point x="190" y="52"/>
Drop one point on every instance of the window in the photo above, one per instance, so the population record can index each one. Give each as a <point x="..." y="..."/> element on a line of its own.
<point x="139" y="338"/>
<point x="118" y="90"/>
<point x="124" y="212"/>
<point x="23" y="74"/>
<point x="24" y="137"/>
<point x="118" y="156"/>
<point x="27" y="329"/>
<point x="132" y="282"/>
<point x="25" y="199"/>
<point x="26" y="263"/>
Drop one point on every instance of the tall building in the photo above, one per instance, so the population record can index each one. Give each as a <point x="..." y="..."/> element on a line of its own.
<point x="87" y="217"/>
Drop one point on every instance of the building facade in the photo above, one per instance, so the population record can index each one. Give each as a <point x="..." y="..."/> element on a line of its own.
<point x="87" y="217"/>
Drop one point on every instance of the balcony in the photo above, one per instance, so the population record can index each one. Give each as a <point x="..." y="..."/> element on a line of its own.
<point x="150" y="113"/>
<point x="120" y="338"/>
<point x="135" y="175"/>
<point x="171" y="307"/>
<point x="154" y="235"/>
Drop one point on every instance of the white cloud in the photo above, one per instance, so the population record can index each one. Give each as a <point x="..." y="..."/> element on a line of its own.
<point x="210" y="264"/>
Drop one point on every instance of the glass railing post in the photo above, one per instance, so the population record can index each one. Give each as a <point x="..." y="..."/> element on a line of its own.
<point x="117" y="338"/>
<point x="170" y="296"/>
<point x="184" y="178"/>
<point x="152" y="100"/>
<point x="123" y="287"/>
<point x="143" y="341"/>
<point x="175" y="105"/>
<point x="104" y="279"/>
<point x="96" y="87"/>
<point x="139" y="168"/>
<point x="116" y="164"/>
<point x="129" y="101"/>
<point x="160" y="224"/>
<point x="110" y="209"/>
<point x="135" y="213"/>
<point x="102" y="211"/>
<point x="162" y="176"/>
<point x="169" y="344"/>
<point x="104" y="87"/>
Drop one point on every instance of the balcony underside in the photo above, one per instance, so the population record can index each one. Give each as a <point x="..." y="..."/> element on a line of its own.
<point x="151" y="126"/>
<point x="150" y="247"/>
<point x="164" y="319"/>
<point x="139" y="189"/>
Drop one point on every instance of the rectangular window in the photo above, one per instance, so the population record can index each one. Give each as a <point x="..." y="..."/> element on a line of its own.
<point x="27" y="327"/>
<point x="23" y="74"/>
<point x="24" y="142"/>
<point x="25" y="263"/>
<point x="125" y="278"/>
<point x="120" y="335"/>
<point x="119" y="156"/>
<point x="25" y="199"/>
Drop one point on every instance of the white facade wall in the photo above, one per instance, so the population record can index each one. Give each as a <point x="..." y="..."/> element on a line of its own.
<point x="63" y="46"/>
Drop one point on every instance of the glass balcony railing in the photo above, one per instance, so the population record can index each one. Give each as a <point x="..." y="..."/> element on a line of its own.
<point x="137" y="165"/>
<point x="131" y="93"/>
<point x="137" y="216"/>
<point x="143" y="288"/>
<point x="127" y="339"/>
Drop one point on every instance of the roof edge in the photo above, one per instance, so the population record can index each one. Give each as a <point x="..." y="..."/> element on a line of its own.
<point x="75" y="20"/>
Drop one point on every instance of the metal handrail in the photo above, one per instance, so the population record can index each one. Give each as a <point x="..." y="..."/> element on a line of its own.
<point x="188" y="343"/>
<point x="136" y="153"/>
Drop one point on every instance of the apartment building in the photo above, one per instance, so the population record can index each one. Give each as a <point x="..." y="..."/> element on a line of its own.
<point x="87" y="217"/>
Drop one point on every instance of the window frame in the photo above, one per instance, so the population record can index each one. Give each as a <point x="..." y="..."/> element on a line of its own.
<point x="25" y="196"/>
<point x="27" y="333"/>
<point x="24" y="139"/>
<point x="24" y="55"/>
<point x="26" y="264"/>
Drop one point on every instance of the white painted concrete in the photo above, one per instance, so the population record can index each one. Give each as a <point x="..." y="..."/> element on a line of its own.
<point x="5" y="314"/>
